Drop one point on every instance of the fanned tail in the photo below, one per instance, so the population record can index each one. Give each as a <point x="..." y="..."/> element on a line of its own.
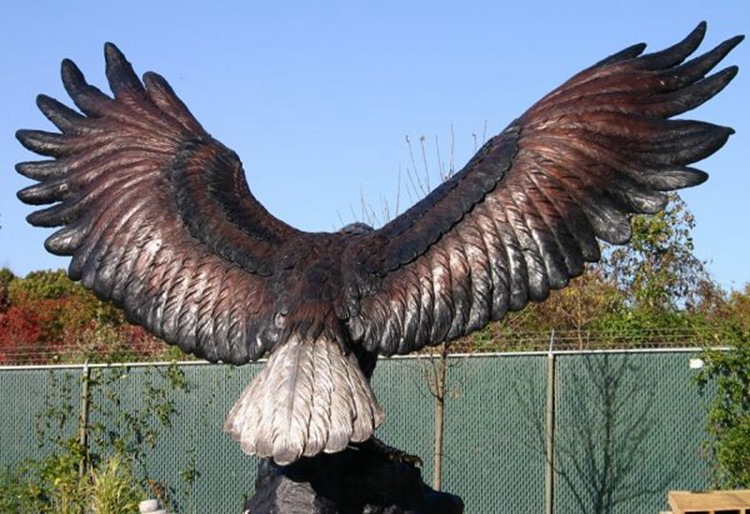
<point x="309" y="398"/>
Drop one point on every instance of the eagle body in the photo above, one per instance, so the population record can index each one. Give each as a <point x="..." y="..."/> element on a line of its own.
<point x="157" y="217"/>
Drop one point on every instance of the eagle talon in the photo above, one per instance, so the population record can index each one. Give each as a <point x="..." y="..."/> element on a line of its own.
<point x="389" y="452"/>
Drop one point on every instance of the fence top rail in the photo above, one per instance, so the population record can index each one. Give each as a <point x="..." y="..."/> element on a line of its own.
<point x="542" y="353"/>
<point x="476" y="355"/>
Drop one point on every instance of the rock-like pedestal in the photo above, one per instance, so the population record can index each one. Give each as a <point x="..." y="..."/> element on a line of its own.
<point x="350" y="482"/>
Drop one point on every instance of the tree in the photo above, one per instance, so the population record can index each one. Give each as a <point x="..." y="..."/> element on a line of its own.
<point x="729" y="414"/>
<point x="46" y="317"/>
<point x="657" y="270"/>
<point x="6" y="277"/>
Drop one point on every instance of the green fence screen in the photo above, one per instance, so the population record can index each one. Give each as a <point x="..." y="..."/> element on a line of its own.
<point x="628" y="427"/>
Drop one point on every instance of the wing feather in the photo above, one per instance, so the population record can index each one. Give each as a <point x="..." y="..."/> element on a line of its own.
<point x="524" y="215"/>
<point x="155" y="213"/>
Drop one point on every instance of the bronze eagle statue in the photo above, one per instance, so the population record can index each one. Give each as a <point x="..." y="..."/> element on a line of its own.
<point x="158" y="218"/>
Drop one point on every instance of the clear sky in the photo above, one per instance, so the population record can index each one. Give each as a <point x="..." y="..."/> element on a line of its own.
<point x="317" y="97"/>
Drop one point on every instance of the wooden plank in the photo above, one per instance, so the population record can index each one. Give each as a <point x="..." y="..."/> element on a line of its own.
<point x="710" y="502"/>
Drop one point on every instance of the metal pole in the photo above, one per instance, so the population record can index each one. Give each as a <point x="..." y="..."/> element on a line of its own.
<point x="549" y="474"/>
<point x="83" y="420"/>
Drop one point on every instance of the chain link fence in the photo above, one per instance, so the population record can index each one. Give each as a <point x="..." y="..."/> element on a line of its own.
<point x="627" y="426"/>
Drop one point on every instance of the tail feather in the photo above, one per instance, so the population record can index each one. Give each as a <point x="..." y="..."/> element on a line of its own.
<point x="322" y="397"/>
<point x="363" y="400"/>
<point x="309" y="398"/>
<point x="343" y="407"/>
<point x="292" y="391"/>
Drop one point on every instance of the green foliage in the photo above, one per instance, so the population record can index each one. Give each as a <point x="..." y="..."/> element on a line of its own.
<point x="726" y="375"/>
<point x="729" y="414"/>
<point x="108" y="473"/>
<point x="112" y="487"/>
<point x="19" y="494"/>
<point x="128" y="431"/>
<point x="47" y="285"/>
<point x="58" y="475"/>
<point x="55" y="486"/>
<point x="6" y="277"/>
<point x="657" y="271"/>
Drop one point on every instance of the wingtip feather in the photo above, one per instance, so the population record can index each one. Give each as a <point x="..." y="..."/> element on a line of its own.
<point x="41" y="142"/>
<point x="122" y="79"/>
<point x="676" y="53"/>
<point x="40" y="170"/>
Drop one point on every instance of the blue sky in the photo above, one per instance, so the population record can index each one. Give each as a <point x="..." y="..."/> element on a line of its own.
<point x="317" y="97"/>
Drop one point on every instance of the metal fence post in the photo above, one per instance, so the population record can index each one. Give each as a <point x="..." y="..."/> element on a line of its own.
<point x="549" y="472"/>
<point x="83" y="419"/>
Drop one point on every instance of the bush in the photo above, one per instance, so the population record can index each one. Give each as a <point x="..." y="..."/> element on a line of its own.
<point x="55" y="485"/>
<point x="112" y="488"/>
<point x="729" y="414"/>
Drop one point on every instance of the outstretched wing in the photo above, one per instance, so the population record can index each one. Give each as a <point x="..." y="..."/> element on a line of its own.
<point x="156" y="214"/>
<point x="525" y="213"/>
